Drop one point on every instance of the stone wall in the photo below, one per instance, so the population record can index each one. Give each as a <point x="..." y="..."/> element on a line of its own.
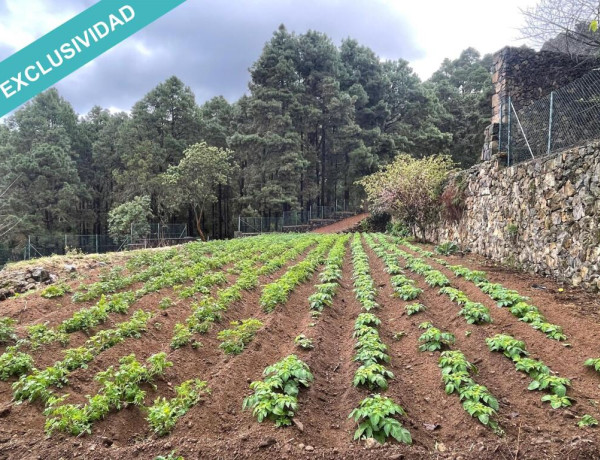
<point x="542" y="215"/>
<point x="526" y="76"/>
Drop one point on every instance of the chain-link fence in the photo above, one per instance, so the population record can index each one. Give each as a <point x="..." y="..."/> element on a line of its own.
<point x="563" y="119"/>
<point x="59" y="244"/>
<point x="293" y="221"/>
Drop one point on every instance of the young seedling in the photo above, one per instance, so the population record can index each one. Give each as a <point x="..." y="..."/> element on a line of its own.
<point x="414" y="308"/>
<point x="304" y="342"/>
<point x="587" y="420"/>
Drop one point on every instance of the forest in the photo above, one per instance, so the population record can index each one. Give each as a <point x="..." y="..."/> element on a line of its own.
<point x="316" y="118"/>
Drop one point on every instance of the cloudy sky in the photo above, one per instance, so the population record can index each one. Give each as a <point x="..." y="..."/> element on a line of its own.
<point x="210" y="44"/>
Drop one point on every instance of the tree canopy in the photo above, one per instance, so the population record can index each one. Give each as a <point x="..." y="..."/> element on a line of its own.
<point x="317" y="117"/>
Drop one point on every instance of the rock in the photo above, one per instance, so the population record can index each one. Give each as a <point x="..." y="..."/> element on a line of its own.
<point x="309" y="448"/>
<point x="440" y="447"/>
<point x="39" y="274"/>
<point x="70" y="268"/>
<point x="431" y="426"/>
<point x="371" y="443"/>
<point x="298" y="424"/>
<point x="267" y="443"/>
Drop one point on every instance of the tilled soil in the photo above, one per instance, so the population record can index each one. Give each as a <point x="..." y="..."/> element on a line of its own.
<point x="218" y="428"/>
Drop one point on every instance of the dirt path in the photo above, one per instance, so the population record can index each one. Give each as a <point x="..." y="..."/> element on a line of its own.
<point x="342" y="225"/>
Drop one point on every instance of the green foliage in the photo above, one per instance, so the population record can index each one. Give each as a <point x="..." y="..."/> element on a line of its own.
<point x="375" y="418"/>
<point x="475" y="313"/>
<point x="372" y="375"/>
<point x="414" y="308"/>
<point x="170" y="456"/>
<point x="277" y="293"/>
<point x="587" y="420"/>
<point x="511" y="347"/>
<point x="235" y="340"/>
<point x="182" y="335"/>
<point x="593" y="362"/>
<point x="304" y="342"/>
<point x="7" y="330"/>
<point x="276" y="397"/>
<point x="119" y="388"/>
<point x="477" y="400"/>
<point x="433" y="339"/>
<point x="130" y="217"/>
<point x="165" y="303"/>
<point x="14" y="363"/>
<point x="408" y="292"/>
<point x="409" y="189"/>
<point x="55" y="290"/>
<point x="164" y="413"/>
<point x="447" y="248"/>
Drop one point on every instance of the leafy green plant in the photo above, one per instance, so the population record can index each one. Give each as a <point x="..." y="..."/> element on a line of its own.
<point x="475" y="313"/>
<point x="181" y="336"/>
<point x="557" y="401"/>
<point x="164" y="413"/>
<point x="234" y="340"/>
<point x="55" y="290"/>
<point x="436" y="278"/>
<point x="593" y="362"/>
<point x="14" y="363"/>
<point x="375" y="418"/>
<point x="433" y="339"/>
<point x="455" y="295"/>
<point x="165" y="303"/>
<point x="447" y="248"/>
<point x="414" y="308"/>
<point x="7" y="330"/>
<point x="276" y="397"/>
<point x="511" y="347"/>
<point x="407" y="292"/>
<point x="587" y="420"/>
<point x="304" y="342"/>
<point x="372" y="375"/>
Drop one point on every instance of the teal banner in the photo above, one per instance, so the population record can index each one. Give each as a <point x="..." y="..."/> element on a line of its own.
<point x="72" y="45"/>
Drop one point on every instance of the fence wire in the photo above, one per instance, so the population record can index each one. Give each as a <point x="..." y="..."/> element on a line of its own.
<point x="563" y="119"/>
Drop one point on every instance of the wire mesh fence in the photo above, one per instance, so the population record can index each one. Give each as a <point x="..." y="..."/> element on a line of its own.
<point x="563" y="119"/>
<point x="293" y="221"/>
<point x="59" y="244"/>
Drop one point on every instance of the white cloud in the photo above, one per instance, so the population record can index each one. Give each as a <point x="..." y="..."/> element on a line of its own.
<point x="27" y="20"/>
<point x="442" y="29"/>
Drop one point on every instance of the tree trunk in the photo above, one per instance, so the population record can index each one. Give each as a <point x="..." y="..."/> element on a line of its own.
<point x="198" y="217"/>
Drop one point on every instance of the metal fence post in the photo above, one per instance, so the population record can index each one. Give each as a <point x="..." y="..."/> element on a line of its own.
<point x="28" y="247"/>
<point x="66" y="246"/>
<point x="500" y="130"/>
<point x="96" y="243"/>
<point x="508" y="133"/>
<point x="550" y="122"/>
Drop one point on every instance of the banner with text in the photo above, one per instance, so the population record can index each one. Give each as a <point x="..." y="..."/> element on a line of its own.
<point x="72" y="45"/>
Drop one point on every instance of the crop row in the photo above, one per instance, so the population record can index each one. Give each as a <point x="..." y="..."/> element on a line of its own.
<point x="517" y="304"/>
<point x="330" y="277"/>
<point x="375" y="414"/>
<point x="473" y="312"/>
<point x="277" y="292"/>
<point x="120" y="388"/>
<point x="542" y="377"/>
<point x="476" y="399"/>
<point x="209" y="309"/>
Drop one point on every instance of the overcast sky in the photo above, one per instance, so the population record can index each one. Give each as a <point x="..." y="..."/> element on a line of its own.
<point x="210" y="44"/>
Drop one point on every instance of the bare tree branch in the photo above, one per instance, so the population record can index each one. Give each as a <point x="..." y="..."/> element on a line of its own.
<point x="563" y="26"/>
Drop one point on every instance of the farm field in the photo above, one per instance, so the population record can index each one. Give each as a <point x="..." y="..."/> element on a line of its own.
<point x="291" y="346"/>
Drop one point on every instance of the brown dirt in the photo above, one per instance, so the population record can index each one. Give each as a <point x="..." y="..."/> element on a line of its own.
<point x="218" y="428"/>
<point x="343" y="225"/>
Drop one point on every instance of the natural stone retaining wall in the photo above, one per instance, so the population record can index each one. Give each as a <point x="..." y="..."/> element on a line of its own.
<point x="542" y="215"/>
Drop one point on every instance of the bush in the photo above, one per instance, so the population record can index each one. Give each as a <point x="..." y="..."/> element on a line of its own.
<point x="409" y="189"/>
